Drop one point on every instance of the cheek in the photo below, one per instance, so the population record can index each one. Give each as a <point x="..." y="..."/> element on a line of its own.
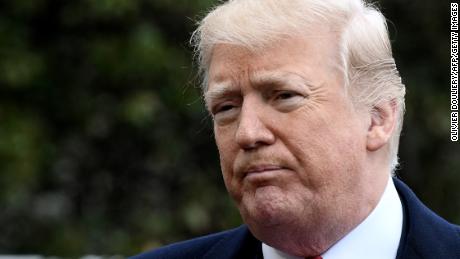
<point x="227" y="152"/>
<point x="325" y="142"/>
<point x="225" y="143"/>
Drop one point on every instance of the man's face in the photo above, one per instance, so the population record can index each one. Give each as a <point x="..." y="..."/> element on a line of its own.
<point x="292" y="146"/>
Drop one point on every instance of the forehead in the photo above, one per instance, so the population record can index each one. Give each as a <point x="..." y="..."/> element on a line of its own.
<point x="307" y="57"/>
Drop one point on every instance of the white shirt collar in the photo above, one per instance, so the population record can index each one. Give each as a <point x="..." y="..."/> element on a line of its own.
<point x="376" y="237"/>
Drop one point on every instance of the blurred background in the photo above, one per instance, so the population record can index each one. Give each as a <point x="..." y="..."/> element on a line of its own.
<point x="105" y="145"/>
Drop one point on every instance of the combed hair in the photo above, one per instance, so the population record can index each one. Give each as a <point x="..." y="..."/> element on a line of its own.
<point x="369" y="70"/>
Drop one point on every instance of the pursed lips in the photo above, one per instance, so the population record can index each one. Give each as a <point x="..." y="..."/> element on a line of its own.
<point x="257" y="169"/>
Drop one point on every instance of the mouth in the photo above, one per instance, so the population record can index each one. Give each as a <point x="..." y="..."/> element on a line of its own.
<point x="262" y="168"/>
<point x="263" y="172"/>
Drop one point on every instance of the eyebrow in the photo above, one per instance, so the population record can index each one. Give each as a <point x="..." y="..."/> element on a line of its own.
<point x="278" y="78"/>
<point x="259" y="79"/>
<point x="220" y="90"/>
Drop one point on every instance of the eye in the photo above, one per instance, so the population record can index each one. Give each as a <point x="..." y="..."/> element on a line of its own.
<point x="225" y="112"/>
<point x="223" y="108"/>
<point x="285" y="95"/>
<point x="287" y="100"/>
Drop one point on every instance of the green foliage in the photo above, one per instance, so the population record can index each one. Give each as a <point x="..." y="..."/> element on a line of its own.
<point x="105" y="146"/>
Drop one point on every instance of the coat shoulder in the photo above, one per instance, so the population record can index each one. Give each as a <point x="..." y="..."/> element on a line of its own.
<point x="201" y="247"/>
<point x="427" y="235"/>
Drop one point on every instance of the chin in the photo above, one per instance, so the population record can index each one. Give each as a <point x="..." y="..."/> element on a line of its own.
<point x="267" y="206"/>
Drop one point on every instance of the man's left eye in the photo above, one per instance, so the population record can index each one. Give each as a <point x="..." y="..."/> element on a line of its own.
<point x="285" y="95"/>
<point x="287" y="100"/>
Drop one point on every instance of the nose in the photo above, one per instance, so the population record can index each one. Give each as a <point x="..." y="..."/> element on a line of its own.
<point x="254" y="128"/>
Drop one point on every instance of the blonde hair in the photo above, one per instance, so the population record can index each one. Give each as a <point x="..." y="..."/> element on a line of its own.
<point x="370" y="73"/>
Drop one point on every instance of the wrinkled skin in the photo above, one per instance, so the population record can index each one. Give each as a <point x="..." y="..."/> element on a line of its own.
<point x="294" y="150"/>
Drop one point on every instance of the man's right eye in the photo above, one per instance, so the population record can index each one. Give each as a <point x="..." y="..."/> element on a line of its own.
<point x="225" y="112"/>
<point x="223" y="108"/>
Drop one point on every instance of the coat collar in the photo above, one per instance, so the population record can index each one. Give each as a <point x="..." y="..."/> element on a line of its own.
<point x="425" y="234"/>
<point x="240" y="244"/>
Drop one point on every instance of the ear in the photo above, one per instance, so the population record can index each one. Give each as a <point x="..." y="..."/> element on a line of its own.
<point x="383" y="121"/>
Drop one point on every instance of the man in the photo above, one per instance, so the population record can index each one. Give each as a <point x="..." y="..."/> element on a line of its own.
<point x="307" y="106"/>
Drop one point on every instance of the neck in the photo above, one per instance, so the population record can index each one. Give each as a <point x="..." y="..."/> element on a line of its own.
<point x="316" y="235"/>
